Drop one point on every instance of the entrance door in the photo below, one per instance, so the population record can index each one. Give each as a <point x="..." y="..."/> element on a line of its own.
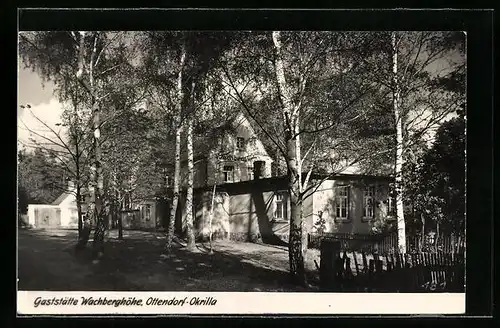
<point x="47" y="217"/>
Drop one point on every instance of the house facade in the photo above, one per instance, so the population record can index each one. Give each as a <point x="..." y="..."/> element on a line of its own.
<point x="250" y="204"/>
<point x="352" y="204"/>
<point x="143" y="216"/>
<point x="233" y="154"/>
<point x="260" y="209"/>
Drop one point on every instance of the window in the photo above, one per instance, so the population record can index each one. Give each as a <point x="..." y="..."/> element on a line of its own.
<point x="250" y="172"/>
<point x="228" y="173"/>
<point x="240" y="143"/>
<point x="391" y="206"/>
<point x="342" y="200"/>
<point x="369" y="202"/>
<point x="147" y="213"/>
<point x="281" y="206"/>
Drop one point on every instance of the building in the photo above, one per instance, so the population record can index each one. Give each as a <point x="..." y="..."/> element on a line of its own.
<point x="61" y="213"/>
<point x="250" y="204"/>
<point x="230" y="153"/>
<point x="142" y="216"/>
<point x="260" y="209"/>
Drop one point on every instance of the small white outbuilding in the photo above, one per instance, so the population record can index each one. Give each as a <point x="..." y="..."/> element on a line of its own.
<point x="62" y="213"/>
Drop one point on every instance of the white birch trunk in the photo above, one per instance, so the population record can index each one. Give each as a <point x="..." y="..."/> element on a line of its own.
<point x="93" y="208"/>
<point x="399" y="147"/>
<point x="190" y="180"/>
<point x="290" y="123"/>
<point x="177" y="169"/>
<point x="210" y="218"/>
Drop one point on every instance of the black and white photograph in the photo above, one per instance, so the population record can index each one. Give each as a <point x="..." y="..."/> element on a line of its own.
<point x="241" y="161"/>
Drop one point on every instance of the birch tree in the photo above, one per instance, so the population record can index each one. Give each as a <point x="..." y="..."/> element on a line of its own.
<point x="53" y="56"/>
<point x="425" y="80"/>
<point x="69" y="145"/>
<point x="86" y="74"/>
<point x="315" y="81"/>
<point x="191" y="56"/>
<point x="165" y="57"/>
<point x="125" y="125"/>
<point x="87" y="59"/>
<point x="291" y="124"/>
<point x="398" y="119"/>
<point x="190" y="181"/>
<point x="178" y="124"/>
<point x="204" y="52"/>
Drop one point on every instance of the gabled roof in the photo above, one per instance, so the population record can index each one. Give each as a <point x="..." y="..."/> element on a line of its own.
<point x="211" y="137"/>
<point x="66" y="193"/>
<point x="61" y="198"/>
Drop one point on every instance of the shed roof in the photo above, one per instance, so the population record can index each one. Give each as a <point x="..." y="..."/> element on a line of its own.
<point x="61" y="198"/>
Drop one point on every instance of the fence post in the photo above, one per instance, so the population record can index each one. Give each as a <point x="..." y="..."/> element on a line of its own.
<point x="355" y="263"/>
<point x="365" y="263"/>
<point x="330" y="253"/>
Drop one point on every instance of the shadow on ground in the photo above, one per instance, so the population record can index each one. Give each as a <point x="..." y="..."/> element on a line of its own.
<point x="47" y="261"/>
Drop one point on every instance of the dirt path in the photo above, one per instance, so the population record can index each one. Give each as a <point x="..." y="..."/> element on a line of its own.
<point x="46" y="261"/>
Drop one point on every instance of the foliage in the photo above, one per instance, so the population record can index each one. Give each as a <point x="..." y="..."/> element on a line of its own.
<point x="436" y="185"/>
<point x="325" y="72"/>
<point x="333" y="102"/>
<point x="40" y="178"/>
<point x="431" y="78"/>
<point x="83" y="66"/>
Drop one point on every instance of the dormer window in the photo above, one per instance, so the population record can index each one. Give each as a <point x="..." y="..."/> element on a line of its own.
<point x="240" y="143"/>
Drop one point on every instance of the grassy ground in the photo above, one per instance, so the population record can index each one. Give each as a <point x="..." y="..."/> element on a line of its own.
<point x="47" y="261"/>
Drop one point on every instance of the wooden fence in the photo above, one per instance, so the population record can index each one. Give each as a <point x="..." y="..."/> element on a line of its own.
<point x="388" y="244"/>
<point x="416" y="272"/>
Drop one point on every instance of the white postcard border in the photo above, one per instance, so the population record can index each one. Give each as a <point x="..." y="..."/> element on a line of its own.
<point x="243" y="303"/>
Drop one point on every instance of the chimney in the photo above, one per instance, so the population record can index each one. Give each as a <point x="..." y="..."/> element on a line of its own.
<point x="259" y="169"/>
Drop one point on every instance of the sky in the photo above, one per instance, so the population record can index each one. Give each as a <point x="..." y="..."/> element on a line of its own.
<point x="44" y="105"/>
